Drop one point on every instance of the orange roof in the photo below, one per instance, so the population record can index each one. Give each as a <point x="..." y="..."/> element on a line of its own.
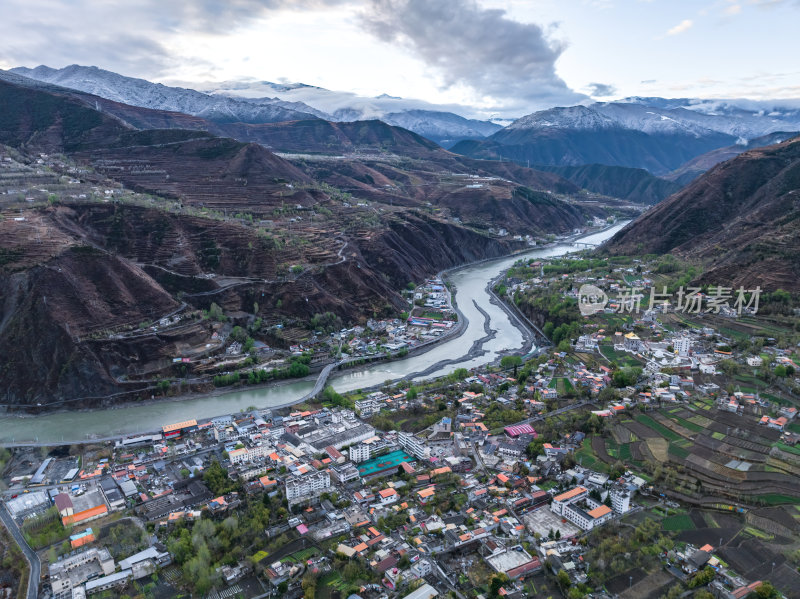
<point x="360" y="547"/>
<point x="387" y="492"/>
<point x="442" y="470"/>
<point x="707" y="548"/>
<point x="374" y="531"/>
<point x="599" y="511"/>
<point x="424" y="493"/>
<point x="502" y="478"/>
<point x="84" y="515"/>
<point x="266" y="481"/>
<point x="178" y="425"/>
<point x="570" y="494"/>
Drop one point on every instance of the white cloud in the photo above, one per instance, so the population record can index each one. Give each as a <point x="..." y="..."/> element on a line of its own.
<point x="502" y="60"/>
<point x="684" y="25"/>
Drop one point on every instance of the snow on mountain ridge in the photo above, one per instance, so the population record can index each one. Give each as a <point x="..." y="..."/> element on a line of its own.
<point x="579" y="118"/>
<point x="265" y="102"/>
<point x="660" y="116"/>
<point x="139" y="92"/>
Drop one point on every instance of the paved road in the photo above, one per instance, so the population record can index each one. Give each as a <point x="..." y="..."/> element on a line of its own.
<point x="573" y="406"/>
<point x="30" y="555"/>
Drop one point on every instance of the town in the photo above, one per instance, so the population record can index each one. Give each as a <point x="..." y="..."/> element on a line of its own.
<point x="645" y="452"/>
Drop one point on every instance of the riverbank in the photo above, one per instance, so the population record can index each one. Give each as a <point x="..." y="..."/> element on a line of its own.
<point x="468" y="286"/>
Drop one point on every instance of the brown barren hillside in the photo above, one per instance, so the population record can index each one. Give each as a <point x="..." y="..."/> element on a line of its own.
<point x="740" y="220"/>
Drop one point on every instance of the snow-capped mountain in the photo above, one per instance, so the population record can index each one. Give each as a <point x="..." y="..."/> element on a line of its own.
<point x="139" y="92"/>
<point x="443" y="124"/>
<point x="266" y="102"/>
<point x="738" y="117"/>
<point x="662" y="116"/>
<point x="576" y="118"/>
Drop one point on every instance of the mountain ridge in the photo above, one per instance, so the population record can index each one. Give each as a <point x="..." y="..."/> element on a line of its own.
<point x="740" y="220"/>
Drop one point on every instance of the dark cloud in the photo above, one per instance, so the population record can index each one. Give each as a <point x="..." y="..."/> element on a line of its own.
<point x="122" y="35"/>
<point x="601" y="90"/>
<point x="502" y="60"/>
<point x="481" y="48"/>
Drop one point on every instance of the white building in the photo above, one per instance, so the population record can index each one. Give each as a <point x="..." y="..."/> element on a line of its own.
<point x="388" y="496"/>
<point x="576" y="506"/>
<point x="682" y="345"/>
<point x="360" y="452"/>
<point x="422" y="568"/>
<point x="345" y="473"/>
<point x="249" y="454"/>
<point x="299" y="488"/>
<point x="76" y="569"/>
<point x="567" y="497"/>
<point x="413" y="446"/>
<point x="620" y="499"/>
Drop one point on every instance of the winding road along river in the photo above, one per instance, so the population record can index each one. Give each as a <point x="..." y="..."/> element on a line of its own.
<point x="473" y="301"/>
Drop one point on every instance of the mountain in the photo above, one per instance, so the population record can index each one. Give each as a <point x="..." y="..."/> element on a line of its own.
<point x="232" y="104"/>
<point x="107" y="228"/>
<point x="445" y="128"/>
<point x="579" y="135"/>
<point x="139" y="92"/>
<point x="632" y="184"/>
<point x="740" y="220"/>
<point x="702" y="163"/>
<point x="655" y="134"/>
<point x="741" y="117"/>
<point x="39" y="120"/>
<point x="445" y="125"/>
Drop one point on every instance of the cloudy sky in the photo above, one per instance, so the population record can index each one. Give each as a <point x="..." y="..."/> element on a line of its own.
<point x="508" y="56"/>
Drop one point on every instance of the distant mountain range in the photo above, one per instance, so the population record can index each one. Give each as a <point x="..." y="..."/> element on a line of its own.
<point x="631" y="134"/>
<point x="229" y="104"/>
<point x="673" y="139"/>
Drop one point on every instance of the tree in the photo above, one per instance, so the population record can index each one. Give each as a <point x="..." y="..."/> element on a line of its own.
<point x="507" y="362"/>
<point x="309" y="585"/>
<point x="496" y="583"/>
<point x="563" y="579"/>
<point x="766" y="591"/>
<point x="702" y="578"/>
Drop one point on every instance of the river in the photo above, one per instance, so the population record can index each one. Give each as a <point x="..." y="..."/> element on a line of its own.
<point x="470" y="282"/>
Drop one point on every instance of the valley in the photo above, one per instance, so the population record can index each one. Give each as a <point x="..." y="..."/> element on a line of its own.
<point x="265" y="338"/>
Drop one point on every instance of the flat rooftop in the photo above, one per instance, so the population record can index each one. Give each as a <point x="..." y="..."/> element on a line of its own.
<point x="509" y="560"/>
<point x="543" y="521"/>
<point x="384" y="462"/>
